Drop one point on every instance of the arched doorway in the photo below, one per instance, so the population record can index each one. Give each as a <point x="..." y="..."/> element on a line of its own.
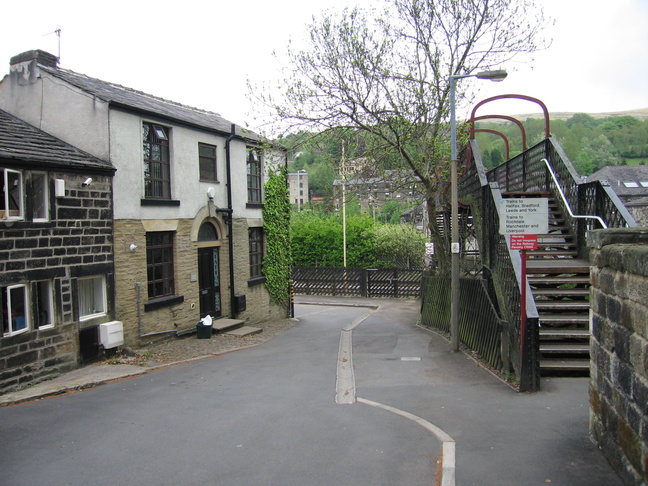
<point x="209" y="271"/>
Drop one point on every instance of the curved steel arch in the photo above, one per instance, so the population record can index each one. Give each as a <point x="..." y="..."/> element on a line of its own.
<point x="495" y="132"/>
<point x="503" y="117"/>
<point x="515" y="96"/>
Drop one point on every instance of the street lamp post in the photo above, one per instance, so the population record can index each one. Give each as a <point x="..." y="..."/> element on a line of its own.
<point x="497" y="75"/>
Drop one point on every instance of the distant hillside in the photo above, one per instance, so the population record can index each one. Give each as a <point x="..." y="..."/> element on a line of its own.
<point x="640" y="114"/>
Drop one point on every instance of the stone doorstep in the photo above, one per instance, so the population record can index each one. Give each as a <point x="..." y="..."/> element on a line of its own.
<point x="244" y="331"/>
<point x="224" y="325"/>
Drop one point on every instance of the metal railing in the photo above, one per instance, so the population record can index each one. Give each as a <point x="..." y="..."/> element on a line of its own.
<point x="566" y="203"/>
<point x="543" y="168"/>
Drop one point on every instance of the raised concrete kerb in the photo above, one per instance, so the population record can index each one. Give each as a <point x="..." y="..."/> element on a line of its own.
<point x="345" y="385"/>
<point x="345" y="394"/>
<point x="448" y="443"/>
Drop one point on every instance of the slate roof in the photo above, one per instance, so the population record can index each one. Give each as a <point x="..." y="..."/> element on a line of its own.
<point x="618" y="174"/>
<point x="29" y="146"/>
<point x="121" y="96"/>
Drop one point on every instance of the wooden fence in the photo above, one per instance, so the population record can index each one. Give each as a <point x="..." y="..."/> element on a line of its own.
<point x="359" y="282"/>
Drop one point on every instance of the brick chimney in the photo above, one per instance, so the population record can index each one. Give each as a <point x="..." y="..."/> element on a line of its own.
<point x="25" y="66"/>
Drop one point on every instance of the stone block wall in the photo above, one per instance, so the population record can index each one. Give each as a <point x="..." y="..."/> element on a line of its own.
<point x="619" y="377"/>
<point x="143" y="324"/>
<point x="75" y="242"/>
<point x="258" y="305"/>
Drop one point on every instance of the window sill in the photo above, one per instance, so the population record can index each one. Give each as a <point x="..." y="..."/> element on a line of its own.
<point x="91" y="316"/>
<point x="163" y="302"/>
<point x="254" y="205"/>
<point x="256" y="281"/>
<point x="159" y="202"/>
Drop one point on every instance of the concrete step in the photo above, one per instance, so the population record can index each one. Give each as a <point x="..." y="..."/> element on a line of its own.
<point x="563" y="333"/>
<point x="553" y="292"/>
<point x="562" y="305"/>
<point x="244" y="331"/>
<point x="224" y="325"/>
<point x="558" y="280"/>
<point x="565" y="348"/>
<point x="565" y="365"/>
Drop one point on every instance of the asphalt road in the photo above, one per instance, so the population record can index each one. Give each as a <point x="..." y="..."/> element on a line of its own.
<point x="274" y="415"/>
<point x="261" y="416"/>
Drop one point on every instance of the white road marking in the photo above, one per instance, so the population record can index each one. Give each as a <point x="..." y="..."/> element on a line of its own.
<point x="346" y="394"/>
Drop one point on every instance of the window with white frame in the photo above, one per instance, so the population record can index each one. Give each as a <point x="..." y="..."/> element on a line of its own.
<point x="92" y="297"/>
<point x="157" y="161"/>
<point x="254" y="175"/>
<point x="42" y="304"/>
<point x="15" y="311"/>
<point x="207" y="162"/>
<point x="159" y="264"/>
<point x="256" y="252"/>
<point x="11" y="204"/>
<point x="39" y="196"/>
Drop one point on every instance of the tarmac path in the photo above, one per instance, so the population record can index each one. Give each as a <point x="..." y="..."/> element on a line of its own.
<point x="261" y="416"/>
<point x="354" y="394"/>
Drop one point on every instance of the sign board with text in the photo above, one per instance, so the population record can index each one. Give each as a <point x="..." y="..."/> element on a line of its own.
<point x="524" y="242"/>
<point x="524" y="216"/>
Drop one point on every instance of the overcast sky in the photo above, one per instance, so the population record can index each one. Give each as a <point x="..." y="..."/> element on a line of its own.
<point x="201" y="53"/>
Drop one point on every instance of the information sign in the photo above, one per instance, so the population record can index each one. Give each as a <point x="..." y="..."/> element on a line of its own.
<point x="524" y="216"/>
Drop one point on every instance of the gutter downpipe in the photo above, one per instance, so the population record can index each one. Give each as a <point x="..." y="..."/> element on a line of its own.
<point x="229" y="217"/>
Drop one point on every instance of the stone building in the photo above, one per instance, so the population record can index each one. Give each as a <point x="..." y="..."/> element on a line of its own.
<point x="56" y="254"/>
<point x="630" y="183"/>
<point x="298" y="188"/>
<point x="373" y="192"/>
<point x="188" y="196"/>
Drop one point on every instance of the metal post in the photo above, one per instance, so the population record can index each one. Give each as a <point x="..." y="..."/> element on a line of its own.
<point x="344" y="235"/>
<point x="497" y="75"/>
<point x="454" y="222"/>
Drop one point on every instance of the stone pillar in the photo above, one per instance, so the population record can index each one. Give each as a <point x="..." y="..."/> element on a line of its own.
<point x="619" y="324"/>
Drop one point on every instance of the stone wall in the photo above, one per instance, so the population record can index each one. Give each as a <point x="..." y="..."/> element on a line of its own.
<point x="258" y="306"/>
<point x="619" y="378"/>
<point x="76" y="242"/>
<point x="142" y="324"/>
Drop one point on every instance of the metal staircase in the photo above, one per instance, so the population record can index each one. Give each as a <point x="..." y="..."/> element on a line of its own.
<point x="555" y="339"/>
<point x="559" y="282"/>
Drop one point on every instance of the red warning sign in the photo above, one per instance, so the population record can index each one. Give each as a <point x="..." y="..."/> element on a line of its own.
<point x="524" y="242"/>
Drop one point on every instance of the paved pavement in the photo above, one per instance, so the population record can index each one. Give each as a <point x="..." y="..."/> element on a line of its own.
<point x="489" y="434"/>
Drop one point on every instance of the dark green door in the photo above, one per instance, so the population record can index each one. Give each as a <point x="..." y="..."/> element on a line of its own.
<point x="209" y="282"/>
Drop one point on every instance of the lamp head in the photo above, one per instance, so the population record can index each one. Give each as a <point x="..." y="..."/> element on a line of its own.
<point x="496" y="75"/>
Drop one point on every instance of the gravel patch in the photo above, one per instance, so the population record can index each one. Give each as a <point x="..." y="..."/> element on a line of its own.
<point x="186" y="348"/>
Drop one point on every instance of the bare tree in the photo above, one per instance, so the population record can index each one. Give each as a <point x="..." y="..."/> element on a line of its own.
<point x="385" y="73"/>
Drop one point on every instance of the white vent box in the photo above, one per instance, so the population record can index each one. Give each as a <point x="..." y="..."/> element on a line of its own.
<point x="111" y="334"/>
<point x="59" y="187"/>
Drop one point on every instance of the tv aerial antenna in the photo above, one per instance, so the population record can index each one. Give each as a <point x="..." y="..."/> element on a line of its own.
<point x="57" y="31"/>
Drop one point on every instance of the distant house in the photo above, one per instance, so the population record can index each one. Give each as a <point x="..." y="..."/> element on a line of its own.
<point x="188" y="196"/>
<point x="630" y="183"/>
<point x="56" y="253"/>
<point x="372" y="193"/>
<point x="298" y="188"/>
